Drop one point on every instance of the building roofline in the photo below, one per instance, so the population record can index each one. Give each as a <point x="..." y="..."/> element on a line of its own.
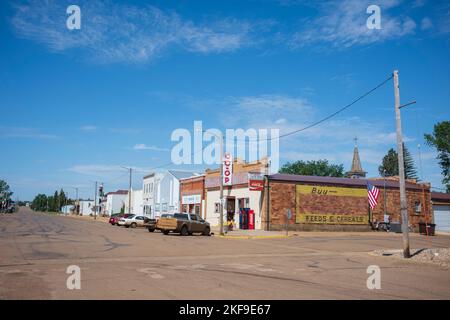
<point x="194" y="177"/>
<point x="440" y="197"/>
<point x="359" y="182"/>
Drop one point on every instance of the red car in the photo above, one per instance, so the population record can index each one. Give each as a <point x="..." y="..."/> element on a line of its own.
<point x="115" y="219"/>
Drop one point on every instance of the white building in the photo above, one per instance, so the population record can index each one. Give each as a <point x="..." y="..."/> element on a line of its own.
<point x="167" y="196"/>
<point x="86" y="207"/>
<point x="115" y="201"/>
<point x="237" y="196"/>
<point x="150" y="191"/>
<point x="136" y="203"/>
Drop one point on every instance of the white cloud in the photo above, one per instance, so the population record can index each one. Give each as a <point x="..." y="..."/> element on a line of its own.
<point x="88" y="128"/>
<point x="343" y="24"/>
<point x="426" y="24"/>
<point x="102" y="170"/>
<point x="142" y="146"/>
<point x="24" y="133"/>
<point x="272" y="103"/>
<point x="124" y="33"/>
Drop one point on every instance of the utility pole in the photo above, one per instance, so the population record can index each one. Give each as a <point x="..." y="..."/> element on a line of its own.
<point x="78" y="201"/>
<point x="221" y="185"/>
<point x="129" y="188"/>
<point x="384" y="195"/>
<point x="95" y="202"/>
<point x="401" y="169"/>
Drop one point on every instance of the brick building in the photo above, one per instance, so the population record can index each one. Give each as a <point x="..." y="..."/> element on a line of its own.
<point x="192" y="194"/>
<point x="338" y="204"/>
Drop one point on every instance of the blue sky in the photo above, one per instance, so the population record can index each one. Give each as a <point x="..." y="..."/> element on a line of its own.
<point x="77" y="105"/>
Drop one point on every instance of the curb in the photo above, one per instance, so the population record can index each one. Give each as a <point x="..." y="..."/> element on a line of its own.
<point x="254" y="237"/>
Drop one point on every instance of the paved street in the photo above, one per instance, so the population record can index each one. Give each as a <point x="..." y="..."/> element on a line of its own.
<point x="119" y="263"/>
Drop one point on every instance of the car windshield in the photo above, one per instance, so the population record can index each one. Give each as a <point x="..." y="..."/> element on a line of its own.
<point x="131" y="216"/>
<point x="181" y="216"/>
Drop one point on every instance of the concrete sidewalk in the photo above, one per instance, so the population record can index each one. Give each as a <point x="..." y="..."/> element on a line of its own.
<point x="251" y="234"/>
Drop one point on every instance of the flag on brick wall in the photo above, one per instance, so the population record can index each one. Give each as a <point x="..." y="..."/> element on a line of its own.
<point x="372" y="193"/>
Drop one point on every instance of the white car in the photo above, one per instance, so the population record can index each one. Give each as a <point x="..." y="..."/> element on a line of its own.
<point x="132" y="221"/>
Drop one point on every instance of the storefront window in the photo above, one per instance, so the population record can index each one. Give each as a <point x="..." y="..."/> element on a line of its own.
<point x="164" y="207"/>
<point x="417" y="207"/>
<point x="244" y="203"/>
<point x="197" y="209"/>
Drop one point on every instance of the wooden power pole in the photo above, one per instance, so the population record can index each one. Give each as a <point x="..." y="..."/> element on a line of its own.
<point x="401" y="170"/>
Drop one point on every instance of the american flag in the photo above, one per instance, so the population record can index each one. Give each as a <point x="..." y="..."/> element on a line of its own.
<point x="372" y="193"/>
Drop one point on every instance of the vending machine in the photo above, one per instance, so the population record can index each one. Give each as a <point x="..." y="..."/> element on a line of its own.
<point x="243" y="218"/>
<point x="251" y="219"/>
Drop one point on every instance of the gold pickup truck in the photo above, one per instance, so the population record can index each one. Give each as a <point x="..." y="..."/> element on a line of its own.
<point x="184" y="224"/>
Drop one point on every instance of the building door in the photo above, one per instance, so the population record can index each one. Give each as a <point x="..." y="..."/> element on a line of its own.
<point x="442" y="217"/>
<point x="231" y="209"/>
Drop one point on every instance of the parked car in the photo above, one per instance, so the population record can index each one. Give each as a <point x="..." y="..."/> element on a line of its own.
<point x="133" y="221"/>
<point x="184" y="224"/>
<point x="114" y="220"/>
<point x="11" y="208"/>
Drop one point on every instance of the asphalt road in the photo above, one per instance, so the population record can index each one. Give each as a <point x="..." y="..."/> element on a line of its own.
<point x="120" y="263"/>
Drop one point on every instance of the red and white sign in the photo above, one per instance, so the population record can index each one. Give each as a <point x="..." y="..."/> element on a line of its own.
<point x="255" y="181"/>
<point x="227" y="167"/>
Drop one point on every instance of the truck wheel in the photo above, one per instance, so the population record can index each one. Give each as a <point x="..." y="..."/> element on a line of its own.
<point x="151" y="230"/>
<point x="165" y="232"/>
<point x="133" y="225"/>
<point x="184" y="231"/>
<point x="207" y="231"/>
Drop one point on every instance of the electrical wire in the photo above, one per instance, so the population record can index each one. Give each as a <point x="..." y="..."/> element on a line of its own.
<point x="359" y="98"/>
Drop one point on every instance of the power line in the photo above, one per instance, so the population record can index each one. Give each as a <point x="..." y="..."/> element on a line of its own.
<point x="336" y="112"/>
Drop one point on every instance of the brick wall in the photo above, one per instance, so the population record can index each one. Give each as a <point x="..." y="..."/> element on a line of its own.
<point x="393" y="205"/>
<point x="283" y="196"/>
<point x="192" y="186"/>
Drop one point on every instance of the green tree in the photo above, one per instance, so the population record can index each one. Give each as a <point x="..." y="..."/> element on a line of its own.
<point x="389" y="165"/>
<point x="440" y="139"/>
<point x="313" y="168"/>
<point x="40" y="203"/>
<point x="62" y="199"/>
<point x="5" y="192"/>
<point x="53" y="202"/>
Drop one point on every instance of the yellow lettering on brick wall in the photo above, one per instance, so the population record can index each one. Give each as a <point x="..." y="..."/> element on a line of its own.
<point x="331" y="191"/>
<point x="330" y="219"/>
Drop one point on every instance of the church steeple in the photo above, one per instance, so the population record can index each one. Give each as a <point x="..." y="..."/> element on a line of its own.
<point x="356" y="171"/>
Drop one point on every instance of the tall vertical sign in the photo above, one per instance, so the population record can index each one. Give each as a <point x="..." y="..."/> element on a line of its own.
<point x="227" y="166"/>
